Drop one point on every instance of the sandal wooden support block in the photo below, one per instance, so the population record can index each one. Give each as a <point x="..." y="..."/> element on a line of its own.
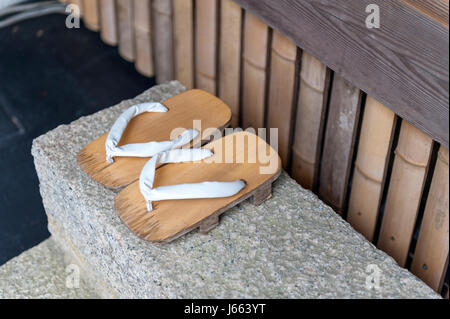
<point x="184" y="109"/>
<point x="171" y="219"/>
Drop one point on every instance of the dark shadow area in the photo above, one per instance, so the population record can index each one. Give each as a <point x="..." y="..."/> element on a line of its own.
<point x="49" y="75"/>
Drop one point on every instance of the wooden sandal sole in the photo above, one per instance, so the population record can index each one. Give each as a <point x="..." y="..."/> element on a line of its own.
<point x="184" y="109"/>
<point x="173" y="218"/>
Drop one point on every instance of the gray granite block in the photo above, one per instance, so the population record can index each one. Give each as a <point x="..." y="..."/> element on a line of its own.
<point x="291" y="246"/>
<point x="43" y="272"/>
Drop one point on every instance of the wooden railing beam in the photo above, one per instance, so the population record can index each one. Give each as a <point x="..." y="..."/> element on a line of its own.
<point x="403" y="64"/>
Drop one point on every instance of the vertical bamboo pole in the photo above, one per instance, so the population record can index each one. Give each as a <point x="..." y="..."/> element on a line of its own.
<point x="108" y="22"/>
<point x="91" y="14"/>
<point x="339" y="143"/>
<point x="281" y="92"/>
<point x="370" y="166"/>
<point x="405" y="191"/>
<point x="256" y="40"/>
<point x="230" y="57"/>
<point x="431" y="255"/>
<point x="79" y="3"/>
<point x="163" y="40"/>
<point x="143" y="37"/>
<point x="312" y="100"/>
<point x="183" y="29"/>
<point x="126" y="30"/>
<point x="206" y="45"/>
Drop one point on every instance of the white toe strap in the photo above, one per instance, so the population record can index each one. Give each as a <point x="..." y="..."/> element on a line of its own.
<point x="183" y="191"/>
<point x="141" y="149"/>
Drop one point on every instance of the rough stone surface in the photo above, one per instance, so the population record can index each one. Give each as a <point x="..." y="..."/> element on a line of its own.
<point x="41" y="272"/>
<point x="291" y="246"/>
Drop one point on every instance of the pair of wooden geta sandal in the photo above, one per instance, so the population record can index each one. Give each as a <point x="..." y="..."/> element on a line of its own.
<point x="168" y="187"/>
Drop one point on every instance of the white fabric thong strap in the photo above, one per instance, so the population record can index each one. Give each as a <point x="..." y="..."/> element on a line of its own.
<point x="183" y="191"/>
<point x="141" y="149"/>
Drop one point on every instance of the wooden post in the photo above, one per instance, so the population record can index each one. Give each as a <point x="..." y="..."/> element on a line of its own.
<point x="411" y="162"/>
<point x="126" y="30"/>
<point x="143" y="37"/>
<point x="230" y="57"/>
<point x="431" y="255"/>
<point x="370" y="167"/>
<point x="312" y="99"/>
<point x="256" y="40"/>
<point x="163" y="40"/>
<point x="183" y="30"/>
<point x="108" y="22"/>
<point x="281" y="92"/>
<point x="339" y="142"/>
<point x="206" y="45"/>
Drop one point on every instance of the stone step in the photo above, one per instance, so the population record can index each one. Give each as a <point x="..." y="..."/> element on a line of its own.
<point x="43" y="272"/>
<point x="291" y="246"/>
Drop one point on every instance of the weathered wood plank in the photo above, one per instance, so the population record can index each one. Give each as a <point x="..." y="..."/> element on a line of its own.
<point x="338" y="147"/>
<point x="143" y="34"/>
<point x="403" y="64"/>
<point x="312" y="99"/>
<point x="183" y="31"/>
<point x="370" y="167"/>
<point x="431" y="254"/>
<point x="230" y="57"/>
<point x="436" y="9"/>
<point x="162" y="32"/>
<point x="126" y="30"/>
<point x="411" y="162"/>
<point x="255" y="57"/>
<point x="108" y="22"/>
<point x="206" y="25"/>
<point x="281" y="92"/>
